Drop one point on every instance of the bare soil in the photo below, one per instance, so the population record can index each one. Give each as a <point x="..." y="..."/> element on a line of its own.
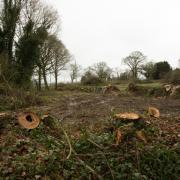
<point x="94" y="107"/>
<point x="94" y="110"/>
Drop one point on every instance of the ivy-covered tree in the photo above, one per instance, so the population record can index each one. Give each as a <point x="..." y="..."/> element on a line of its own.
<point x="10" y="15"/>
<point x="28" y="53"/>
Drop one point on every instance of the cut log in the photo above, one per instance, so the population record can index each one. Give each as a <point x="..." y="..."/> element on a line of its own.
<point x="152" y="111"/>
<point x="175" y="91"/>
<point x="28" y="120"/>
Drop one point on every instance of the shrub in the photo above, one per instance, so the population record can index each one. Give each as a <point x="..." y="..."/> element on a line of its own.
<point x="90" y="79"/>
<point x="173" y="77"/>
<point x="17" y="98"/>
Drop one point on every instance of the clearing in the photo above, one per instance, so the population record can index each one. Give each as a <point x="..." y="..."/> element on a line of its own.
<point x="87" y="118"/>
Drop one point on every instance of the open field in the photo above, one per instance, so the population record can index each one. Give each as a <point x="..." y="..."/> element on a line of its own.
<point x="87" y="119"/>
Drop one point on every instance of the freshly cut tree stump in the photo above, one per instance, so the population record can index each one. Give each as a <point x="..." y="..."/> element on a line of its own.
<point x="168" y="87"/>
<point x="28" y="120"/>
<point x="110" y="89"/>
<point x="127" y="116"/>
<point x="152" y="111"/>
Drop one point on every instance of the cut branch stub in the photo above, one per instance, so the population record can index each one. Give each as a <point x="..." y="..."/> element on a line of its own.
<point x="140" y="135"/>
<point x="152" y="111"/>
<point x="28" y="120"/>
<point x="127" y="116"/>
<point x="168" y="87"/>
<point x="118" y="136"/>
<point x="2" y="115"/>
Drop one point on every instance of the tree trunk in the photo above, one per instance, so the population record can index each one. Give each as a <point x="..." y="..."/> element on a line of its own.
<point x="45" y="79"/>
<point x="56" y="80"/>
<point x="39" y="79"/>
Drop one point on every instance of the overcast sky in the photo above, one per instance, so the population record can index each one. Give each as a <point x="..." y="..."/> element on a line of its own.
<point x="108" y="30"/>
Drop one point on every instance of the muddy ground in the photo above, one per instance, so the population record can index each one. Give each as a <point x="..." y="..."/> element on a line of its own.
<point x="89" y="109"/>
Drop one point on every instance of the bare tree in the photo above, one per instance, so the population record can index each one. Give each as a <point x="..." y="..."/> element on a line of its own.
<point x="54" y="57"/>
<point x="135" y="60"/>
<point x="45" y="60"/>
<point x="74" y="71"/>
<point x="61" y="57"/>
<point x="117" y="72"/>
<point x="41" y="15"/>
<point x="102" y="70"/>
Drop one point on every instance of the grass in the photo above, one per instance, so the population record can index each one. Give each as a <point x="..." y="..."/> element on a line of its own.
<point x="124" y="86"/>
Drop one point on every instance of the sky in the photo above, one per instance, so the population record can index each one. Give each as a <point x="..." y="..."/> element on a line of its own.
<point x="109" y="30"/>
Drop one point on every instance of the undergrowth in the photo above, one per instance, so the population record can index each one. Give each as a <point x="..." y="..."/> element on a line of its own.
<point x="42" y="154"/>
<point x="15" y="99"/>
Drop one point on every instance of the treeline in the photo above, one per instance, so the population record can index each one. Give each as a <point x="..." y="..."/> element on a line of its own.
<point x="30" y="48"/>
<point x="138" y="67"/>
<point x="29" y="43"/>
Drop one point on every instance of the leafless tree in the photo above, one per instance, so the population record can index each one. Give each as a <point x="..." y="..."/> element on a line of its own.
<point x="74" y="71"/>
<point x="61" y="57"/>
<point x="44" y="63"/>
<point x="134" y="61"/>
<point x="102" y="70"/>
<point x="41" y="15"/>
<point x="54" y="58"/>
